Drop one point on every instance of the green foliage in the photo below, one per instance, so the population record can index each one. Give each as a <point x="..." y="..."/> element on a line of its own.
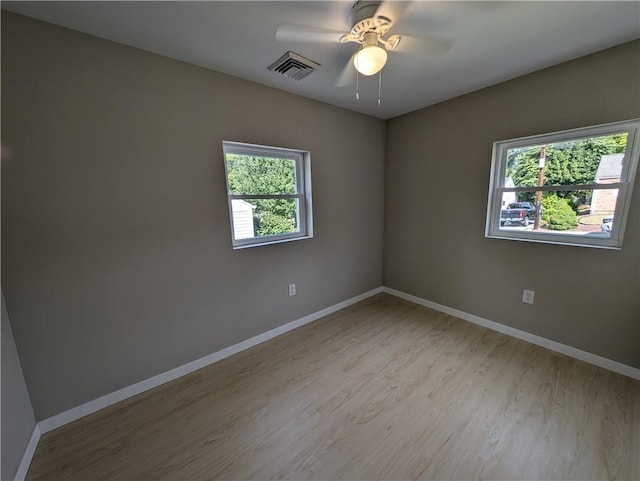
<point x="250" y="175"/>
<point x="260" y="175"/>
<point x="567" y="163"/>
<point x="557" y="212"/>
<point x="274" y="216"/>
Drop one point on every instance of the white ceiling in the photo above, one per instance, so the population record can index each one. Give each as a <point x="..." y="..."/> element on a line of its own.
<point x="494" y="41"/>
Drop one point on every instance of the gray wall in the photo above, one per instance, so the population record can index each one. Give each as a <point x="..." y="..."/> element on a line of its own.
<point x="116" y="246"/>
<point x="18" y="420"/>
<point x="117" y="260"/>
<point x="436" y="186"/>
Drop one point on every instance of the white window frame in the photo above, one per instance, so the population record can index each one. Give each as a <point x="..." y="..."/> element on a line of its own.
<point x="302" y="160"/>
<point x="625" y="186"/>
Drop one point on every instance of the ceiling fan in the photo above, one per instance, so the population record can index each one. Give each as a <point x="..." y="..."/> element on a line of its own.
<point x="371" y="22"/>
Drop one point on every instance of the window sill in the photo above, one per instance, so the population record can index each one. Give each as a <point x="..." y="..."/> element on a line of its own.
<point x="561" y="239"/>
<point x="270" y="242"/>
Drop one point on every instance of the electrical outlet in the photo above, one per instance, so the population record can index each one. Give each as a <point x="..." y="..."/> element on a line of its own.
<point x="292" y="290"/>
<point x="528" y="296"/>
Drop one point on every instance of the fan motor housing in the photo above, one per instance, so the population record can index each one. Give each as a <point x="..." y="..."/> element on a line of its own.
<point x="364" y="19"/>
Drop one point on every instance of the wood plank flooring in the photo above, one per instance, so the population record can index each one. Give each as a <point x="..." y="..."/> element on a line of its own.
<point x="384" y="389"/>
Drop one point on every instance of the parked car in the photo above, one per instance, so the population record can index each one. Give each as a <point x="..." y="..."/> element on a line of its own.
<point x="521" y="213"/>
<point x="606" y="223"/>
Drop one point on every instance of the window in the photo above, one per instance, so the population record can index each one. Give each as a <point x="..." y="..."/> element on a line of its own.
<point x="572" y="187"/>
<point x="269" y="193"/>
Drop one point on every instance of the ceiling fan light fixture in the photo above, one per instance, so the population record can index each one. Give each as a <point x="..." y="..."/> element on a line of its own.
<point x="370" y="59"/>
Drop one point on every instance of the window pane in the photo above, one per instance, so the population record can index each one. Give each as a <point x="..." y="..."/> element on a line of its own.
<point x="264" y="217"/>
<point x="251" y="175"/>
<point x="588" y="160"/>
<point x="575" y="212"/>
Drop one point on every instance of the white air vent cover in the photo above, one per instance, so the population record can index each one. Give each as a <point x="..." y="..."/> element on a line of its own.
<point x="294" y="66"/>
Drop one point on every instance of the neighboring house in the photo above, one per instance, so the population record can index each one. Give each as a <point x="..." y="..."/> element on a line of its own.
<point x="609" y="170"/>
<point x="509" y="197"/>
<point x="242" y="219"/>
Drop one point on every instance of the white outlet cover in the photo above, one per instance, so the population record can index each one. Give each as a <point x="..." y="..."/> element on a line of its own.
<point x="528" y="296"/>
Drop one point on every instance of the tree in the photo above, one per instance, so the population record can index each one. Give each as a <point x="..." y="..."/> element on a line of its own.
<point x="567" y="163"/>
<point x="249" y="175"/>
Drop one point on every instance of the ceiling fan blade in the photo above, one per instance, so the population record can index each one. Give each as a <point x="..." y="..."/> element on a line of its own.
<point x="392" y="10"/>
<point x="348" y="74"/>
<point x="301" y="33"/>
<point x="424" y="45"/>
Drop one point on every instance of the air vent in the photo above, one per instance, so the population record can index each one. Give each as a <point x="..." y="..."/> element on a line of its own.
<point x="294" y="66"/>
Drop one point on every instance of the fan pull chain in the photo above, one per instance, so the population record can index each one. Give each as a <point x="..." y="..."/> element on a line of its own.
<point x="379" y="86"/>
<point x="357" y="77"/>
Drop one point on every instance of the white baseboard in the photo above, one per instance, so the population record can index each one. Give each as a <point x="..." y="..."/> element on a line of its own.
<point x="29" y="451"/>
<point x="90" y="407"/>
<point x="585" y="356"/>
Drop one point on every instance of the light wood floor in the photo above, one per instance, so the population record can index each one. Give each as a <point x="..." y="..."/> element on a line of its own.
<point x="383" y="389"/>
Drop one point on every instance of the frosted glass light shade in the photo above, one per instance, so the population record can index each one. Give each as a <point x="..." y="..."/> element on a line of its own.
<point x="370" y="60"/>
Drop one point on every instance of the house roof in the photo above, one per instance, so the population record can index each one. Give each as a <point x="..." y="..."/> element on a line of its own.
<point x="610" y="166"/>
